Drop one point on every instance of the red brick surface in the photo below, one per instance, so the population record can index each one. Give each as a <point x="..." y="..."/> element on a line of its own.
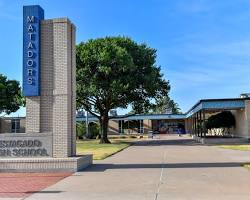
<point x="19" y="185"/>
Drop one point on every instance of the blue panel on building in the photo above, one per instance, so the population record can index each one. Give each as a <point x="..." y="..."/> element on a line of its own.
<point x="194" y="110"/>
<point x="31" y="49"/>
<point x="217" y="105"/>
<point x="136" y="117"/>
<point x="234" y="104"/>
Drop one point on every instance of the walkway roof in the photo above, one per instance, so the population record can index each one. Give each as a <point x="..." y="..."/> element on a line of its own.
<point x="217" y="104"/>
<point x="203" y="104"/>
<point x="137" y="117"/>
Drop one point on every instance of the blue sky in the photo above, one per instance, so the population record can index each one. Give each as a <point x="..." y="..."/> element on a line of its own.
<point x="203" y="45"/>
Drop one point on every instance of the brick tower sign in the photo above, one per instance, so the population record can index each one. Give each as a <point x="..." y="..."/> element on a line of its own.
<point x="49" y="86"/>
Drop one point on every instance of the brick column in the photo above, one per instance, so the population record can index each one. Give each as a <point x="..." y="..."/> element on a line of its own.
<point x="247" y="118"/>
<point x="64" y="86"/>
<point x="54" y="111"/>
<point x="32" y="114"/>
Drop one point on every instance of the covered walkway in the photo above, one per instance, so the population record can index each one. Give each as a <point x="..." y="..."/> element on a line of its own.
<point x="194" y="119"/>
<point x="201" y="111"/>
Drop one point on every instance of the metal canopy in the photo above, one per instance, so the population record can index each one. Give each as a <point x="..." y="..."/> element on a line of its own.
<point x="217" y="104"/>
<point x="204" y="104"/>
<point x="137" y="117"/>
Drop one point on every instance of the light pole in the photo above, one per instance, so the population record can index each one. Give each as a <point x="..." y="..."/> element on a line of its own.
<point x="87" y="123"/>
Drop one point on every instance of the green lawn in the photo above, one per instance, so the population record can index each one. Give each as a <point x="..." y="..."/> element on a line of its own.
<point x="237" y="147"/>
<point x="101" y="151"/>
<point x="247" y="166"/>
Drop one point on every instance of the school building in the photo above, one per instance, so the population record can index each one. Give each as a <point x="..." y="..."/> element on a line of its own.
<point x="192" y="121"/>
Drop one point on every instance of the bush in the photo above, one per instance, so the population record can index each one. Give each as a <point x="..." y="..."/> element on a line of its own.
<point x="94" y="130"/>
<point x="223" y="120"/>
<point x="80" y="130"/>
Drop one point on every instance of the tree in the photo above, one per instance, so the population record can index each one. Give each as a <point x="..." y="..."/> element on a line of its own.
<point x="114" y="72"/>
<point x="10" y="95"/>
<point x="164" y="104"/>
<point x="222" y="120"/>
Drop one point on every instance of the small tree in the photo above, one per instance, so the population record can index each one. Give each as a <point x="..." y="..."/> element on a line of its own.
<point x="114" y="72"/>
<point x="222" y="120"/>
<point x="164" y="104"/>
<point x="10" y="95"/>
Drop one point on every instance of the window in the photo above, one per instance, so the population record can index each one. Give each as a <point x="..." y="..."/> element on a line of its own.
<point x="121" y="126"/>
<point x="15" y="125"/>
<point x="141" y="126"/>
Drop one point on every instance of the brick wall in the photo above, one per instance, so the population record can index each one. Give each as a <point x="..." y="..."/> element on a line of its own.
<point x="54" y="110"/>
<point x="5" y="126"/>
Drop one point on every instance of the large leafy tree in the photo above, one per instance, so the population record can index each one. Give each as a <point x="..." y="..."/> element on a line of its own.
<point x="10" y="95"/>
<point x="114" y="72"/>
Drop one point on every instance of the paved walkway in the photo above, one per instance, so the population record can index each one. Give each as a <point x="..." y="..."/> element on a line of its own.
<point x="168" y="168"/>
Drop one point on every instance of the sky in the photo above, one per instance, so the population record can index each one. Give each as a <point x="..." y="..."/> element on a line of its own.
<point x="203" y="46"/>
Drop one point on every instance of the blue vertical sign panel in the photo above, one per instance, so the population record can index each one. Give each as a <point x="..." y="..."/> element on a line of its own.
<point x="32" y="15"/>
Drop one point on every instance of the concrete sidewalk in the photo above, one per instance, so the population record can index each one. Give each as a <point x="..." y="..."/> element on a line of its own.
<point x="166" y="168"/>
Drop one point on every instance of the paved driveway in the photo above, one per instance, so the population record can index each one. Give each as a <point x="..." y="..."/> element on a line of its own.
<point x="166" y="168"/>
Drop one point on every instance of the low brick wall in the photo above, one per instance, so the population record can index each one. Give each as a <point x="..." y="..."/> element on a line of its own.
<point x="27" y="152"/>
<point x="221" y="140"/>
<point x="71" y="164"/>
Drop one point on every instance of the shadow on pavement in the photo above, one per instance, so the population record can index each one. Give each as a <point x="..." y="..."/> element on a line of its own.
<point x="185" y="142"/>
<point x="44" y="192"/>
<point x="103" y="167"/>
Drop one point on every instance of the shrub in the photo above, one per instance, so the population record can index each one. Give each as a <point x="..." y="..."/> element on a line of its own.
<point x="223" y="120"/>
<point x="94" y="130"/>
<point x="80" y="130"/>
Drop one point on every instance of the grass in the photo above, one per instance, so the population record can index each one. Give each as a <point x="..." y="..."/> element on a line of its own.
<point x="247" y="166"/>
<point x="241" y="148"/>
<point x="102" y="151"/>
<point x="236" y="147"/>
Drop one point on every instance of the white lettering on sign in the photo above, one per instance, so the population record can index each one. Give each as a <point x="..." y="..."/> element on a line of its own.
<point x="30" y="19"/>
<point x="30" y="72"/>
<point x="30" y="28"/>
<point x="30" y="53"/>
<point x="30" y="81"/>
<point x="30" y="63"/>
<point x="32" y="16"/>
<point x="30" y="35"/>
<point x="30" y="45"/>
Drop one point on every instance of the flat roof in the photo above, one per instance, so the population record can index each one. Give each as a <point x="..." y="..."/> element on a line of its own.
<point x="213" y="104"/>
<point x="203" y="104"/>
<point x="137" y="117"/>
<point x="10" y="117"/>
